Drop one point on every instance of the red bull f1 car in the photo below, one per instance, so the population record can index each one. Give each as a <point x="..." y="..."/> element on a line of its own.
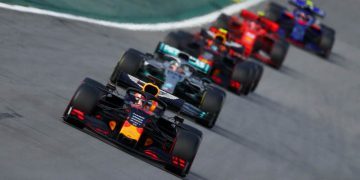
<point x="135" y="121"/>
<point x="302" y="26"/>
<point x="257" y="35"/>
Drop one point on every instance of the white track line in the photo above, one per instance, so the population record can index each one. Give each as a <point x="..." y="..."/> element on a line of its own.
<point x="192" y="22"/>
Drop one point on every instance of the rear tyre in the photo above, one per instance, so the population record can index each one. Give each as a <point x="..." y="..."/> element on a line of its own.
<point x="278" y="53"/>
<point x="186" y="147"/>
<point x="211" y="102"/>
<point x="129" y="63"/>
<point x="172" y="39"/>
<point x="274" y="11"/>
<point x="244" y="72"/>
<point x="240" y="72"/>
<point x="222" y="21"/>
<point x="246" y="89"/>
<point x="326" y="41"/>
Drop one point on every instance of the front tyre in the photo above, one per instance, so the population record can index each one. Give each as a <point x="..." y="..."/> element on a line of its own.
<point x="211" y="102"/>
<point x="278" y="53"/>
<point x="327" y="41"/>
<point x="185" y="147"/>
<point x="84" y="99"/>
<point x="129" y="63"/>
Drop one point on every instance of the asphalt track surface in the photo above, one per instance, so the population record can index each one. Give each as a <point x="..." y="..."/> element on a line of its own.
<point x="302" y="123"/>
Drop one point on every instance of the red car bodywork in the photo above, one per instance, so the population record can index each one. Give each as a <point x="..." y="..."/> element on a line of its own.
<point x="253" y="32"/>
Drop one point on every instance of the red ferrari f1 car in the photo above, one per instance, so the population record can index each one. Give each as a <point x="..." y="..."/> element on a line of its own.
<point x="258" y="36"/>
<point x="135" y="121"/>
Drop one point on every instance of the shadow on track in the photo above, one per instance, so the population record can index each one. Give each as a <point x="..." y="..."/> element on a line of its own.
<point x="292" y="72"/>
<point x="266" y="102"/>
<point x="341" y="61"/>
<point x="194" y="176"/>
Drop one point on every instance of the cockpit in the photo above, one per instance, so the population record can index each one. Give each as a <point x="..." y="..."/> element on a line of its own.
<point x="145" y="102"/>
<point x="178" y="66"/>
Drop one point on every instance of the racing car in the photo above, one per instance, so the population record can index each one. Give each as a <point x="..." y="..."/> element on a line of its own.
<point x="135" y="121"/>
<point x="258" y="36"/>
<point x="227" y="66"/>
<point x="302" y="27"/>
<point x="176" y="73"/>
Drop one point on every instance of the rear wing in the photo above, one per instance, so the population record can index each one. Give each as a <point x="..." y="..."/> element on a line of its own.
<point x="199" y="65"/>
<point x="266" y="23"/>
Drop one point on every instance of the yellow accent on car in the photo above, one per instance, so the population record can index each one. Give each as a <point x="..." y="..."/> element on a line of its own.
<point x="223" y="30"/>
<point x="148" y="142"/>
<point x="261" y="13"/>
<point x="155" y="90"/>
<point x="130" y="131"/>
<point x="112" y="125"/>
<point x="309" y="3"/>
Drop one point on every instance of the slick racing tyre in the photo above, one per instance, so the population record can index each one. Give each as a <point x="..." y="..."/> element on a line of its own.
<point x="274" y="11"/>
<point x="172" y="39"/>
<point x="258" y="76"/>
<point x="278" y="53"/>
<point x="222" y="21"/>
<point x="245" y="73"/>
<point x="252" y="76"/>
<point x="84" y="99"/>
<point x="186" y="147"/>
<point x="327" y="40"/>
<point x="183" y="41"/>
<point x="211" y="102"/>
<point x="240" y="72"/>
<point x="129" y="63"/>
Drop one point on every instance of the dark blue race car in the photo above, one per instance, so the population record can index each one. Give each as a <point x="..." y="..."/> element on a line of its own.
<point x="302" y="27"/>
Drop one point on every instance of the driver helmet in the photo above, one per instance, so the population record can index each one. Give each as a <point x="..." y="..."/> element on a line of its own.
<point x="303" y="16"/>
<point x="221" y="35"/>
<point x="261" y="13"/>
<point x="139" y="98"/>
<point x="174" y="65"/>
<point x="252" y="25"/>
<point x="309" y="3"/>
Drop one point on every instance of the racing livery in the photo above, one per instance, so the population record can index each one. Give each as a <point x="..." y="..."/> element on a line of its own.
<point x="258" y="36"/>
<point x="176" y="73"/>
<point x="227" y="66"/>
<point x="302" y="27"/>
<point x="136" y="122"/>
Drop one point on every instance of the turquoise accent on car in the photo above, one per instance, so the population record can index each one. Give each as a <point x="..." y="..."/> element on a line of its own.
<point x="195" y="62"/>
